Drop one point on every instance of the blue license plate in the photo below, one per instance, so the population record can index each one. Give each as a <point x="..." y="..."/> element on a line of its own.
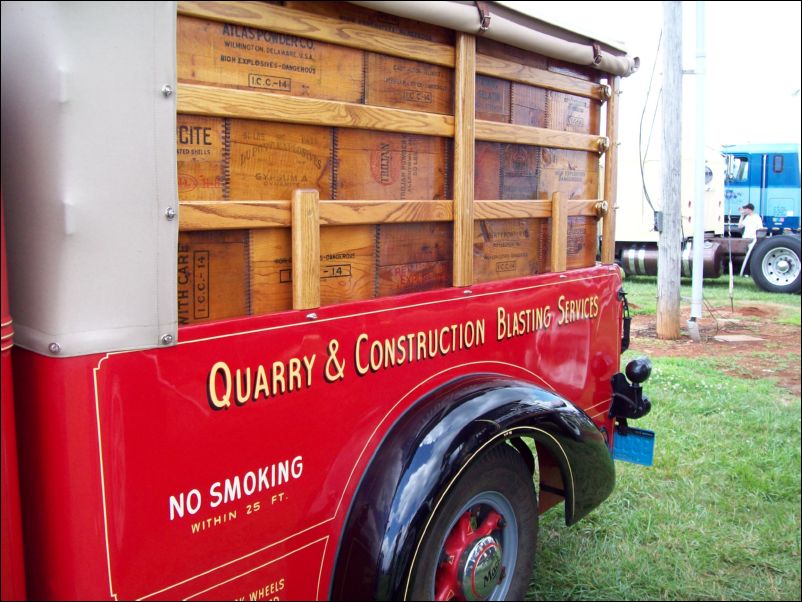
<point x="637" y="446"/>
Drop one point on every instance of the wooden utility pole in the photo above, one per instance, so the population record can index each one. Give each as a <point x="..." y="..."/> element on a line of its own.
<point x="670" y="244"/>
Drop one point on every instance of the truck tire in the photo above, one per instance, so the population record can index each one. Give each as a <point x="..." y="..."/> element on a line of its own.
<point x="481" y="543"/>
<point x="775" y="264"/>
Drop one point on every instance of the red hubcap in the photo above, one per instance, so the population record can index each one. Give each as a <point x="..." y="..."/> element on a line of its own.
<point x="454" y="572"/>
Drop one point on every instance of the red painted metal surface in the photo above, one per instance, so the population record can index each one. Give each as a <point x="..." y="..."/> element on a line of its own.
<point x="12" y="586"/>
<point x="223" y="467"/>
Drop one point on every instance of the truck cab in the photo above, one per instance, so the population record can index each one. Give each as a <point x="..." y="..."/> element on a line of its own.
<point x="767" y="176"/>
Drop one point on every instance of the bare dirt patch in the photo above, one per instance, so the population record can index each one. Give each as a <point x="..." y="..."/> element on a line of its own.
<point x="776" y="355"/>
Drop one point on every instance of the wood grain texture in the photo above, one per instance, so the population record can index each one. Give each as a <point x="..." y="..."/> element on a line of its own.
<point x="611" y="176"/>
<point x="389" y="166"/>
<point x="227" y="215"/>
<point x="321" y="28"/>
<point x="464" y="148"/>
<point x="230" y="56"/>
<point x="514" y="71"/>
<point x="517" y="134"/>
<point x="559" y="233"/>
<point x="212" y="276"/>
<point x="305" y="249"/>
<point x="245" y="104"/>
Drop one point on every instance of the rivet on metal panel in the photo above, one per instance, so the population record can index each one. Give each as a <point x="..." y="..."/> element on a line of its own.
<point x="167" y="90"/>
<point x="54" y="348"/>
<point x="167" y="339"/>
<point x="467" y="292"/>
<point x="170" y="213"/>
<point x="312" y="316"/>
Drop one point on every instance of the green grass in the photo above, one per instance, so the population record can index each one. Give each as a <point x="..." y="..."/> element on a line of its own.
<point x="716" y="518"/>
<point x="642" y="295"/>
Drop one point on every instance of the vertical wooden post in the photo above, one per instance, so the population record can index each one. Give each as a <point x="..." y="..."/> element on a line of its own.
<point x="559" y="233"/>
<point x="611" y="175"/>
<point x="669" y="245"/>
<point x="464" y="115"/>
<point x="305" y="249"/>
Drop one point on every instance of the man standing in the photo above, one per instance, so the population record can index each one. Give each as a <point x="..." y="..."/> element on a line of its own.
<point x="750" y="221"/>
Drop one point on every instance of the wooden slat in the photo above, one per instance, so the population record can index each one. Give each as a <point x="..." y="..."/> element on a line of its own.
<point x="236" y="215"/>
<point x="305" y="249"/>
<point x="224" y="102"/>
<point x="464" y="145"/>
<point x="611" y="176"/>
<point x="333" y="213"/>
<point x="232" y="215"/>
<point x="518" y="134"/>
<point x="321" y="28"/>
<point x="559" y="233"/>
<point x="510" y="70"/>
<point x="522" y="209"/>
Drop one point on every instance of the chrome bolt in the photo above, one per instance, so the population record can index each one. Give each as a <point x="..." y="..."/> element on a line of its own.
<point x="167" y="90"/>
<point x="170" y="213"/>
<point x="54" y="348"/>
<point x="167" y="339"/>
<point x="312" y="316"/>
<point x="467" y="292"/>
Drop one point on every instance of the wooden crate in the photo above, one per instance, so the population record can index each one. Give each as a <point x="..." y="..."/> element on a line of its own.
<point x="508" y="248"/>
<point x="199" y="149"/>
<point x="347" y="265"/>
<point x="233" y="56"/>
<point x="270" y="160"/>
<point x="213" y="278"/>
<point x="387" y="166"/>
<point x="231" y="159"/>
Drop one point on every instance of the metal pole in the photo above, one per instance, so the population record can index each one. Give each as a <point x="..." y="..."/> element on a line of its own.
<point x="699" y="176"/>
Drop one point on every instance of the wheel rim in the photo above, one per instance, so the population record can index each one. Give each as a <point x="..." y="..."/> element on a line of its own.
<point x="479" y="551"/>
<point x="780" y="266"/>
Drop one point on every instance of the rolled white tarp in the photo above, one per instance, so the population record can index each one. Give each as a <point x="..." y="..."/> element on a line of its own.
<point x="516" y="29"/>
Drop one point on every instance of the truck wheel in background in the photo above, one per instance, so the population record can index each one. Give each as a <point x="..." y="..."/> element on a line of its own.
<point x="481" y="542"/>
<point x="775" y="265"/>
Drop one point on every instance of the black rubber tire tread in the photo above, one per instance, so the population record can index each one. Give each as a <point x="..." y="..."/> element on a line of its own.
<point x="761" y="250"/>
<point x="500" y="469"/>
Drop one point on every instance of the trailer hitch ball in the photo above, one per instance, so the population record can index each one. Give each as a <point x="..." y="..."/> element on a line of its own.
<point x="639" y="370"/>
<point x="628" y="398"/>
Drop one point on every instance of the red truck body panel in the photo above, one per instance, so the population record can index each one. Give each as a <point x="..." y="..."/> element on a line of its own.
<point x="224" y="467"/>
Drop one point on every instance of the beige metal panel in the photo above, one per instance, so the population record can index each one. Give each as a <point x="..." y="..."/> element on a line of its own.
<point x="88" y="173"/>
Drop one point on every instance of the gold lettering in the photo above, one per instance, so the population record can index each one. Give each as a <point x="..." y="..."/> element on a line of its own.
<point x="308" y="364"/>
<point x="361" y="370"/>
<point x="261" y="383"/>
<point x="243" y="397"/>
<point x="421" y="346"/>
<point x="443" y="349"/>
<point x="214" y="399"/>
<point x="294" y="374"/>
<point x="278" y="378"/>
<point x="389" y="352"/>
<point x="501" y="324"/>
<point x="375" y="356"/>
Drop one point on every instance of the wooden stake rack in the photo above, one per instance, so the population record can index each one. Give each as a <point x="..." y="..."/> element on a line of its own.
<point x="481" y="107"/>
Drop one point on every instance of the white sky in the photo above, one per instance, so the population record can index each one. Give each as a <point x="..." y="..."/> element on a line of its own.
<point x="753" y="60"/>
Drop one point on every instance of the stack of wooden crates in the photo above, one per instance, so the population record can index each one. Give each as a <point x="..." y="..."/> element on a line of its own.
<point x="412" y="135"/>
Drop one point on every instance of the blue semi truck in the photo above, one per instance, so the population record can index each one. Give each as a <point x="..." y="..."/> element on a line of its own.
<point x="767" y="176"/>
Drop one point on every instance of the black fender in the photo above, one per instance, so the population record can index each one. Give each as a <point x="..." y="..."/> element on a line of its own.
<point x="425" y="451"/>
